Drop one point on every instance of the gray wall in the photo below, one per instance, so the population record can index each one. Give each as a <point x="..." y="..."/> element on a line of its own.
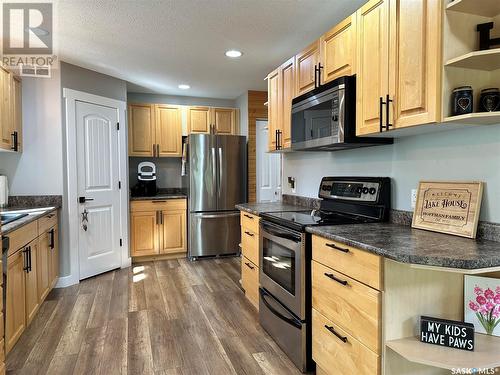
<point x="242" y="104"/>
<point x="461" y="154"/>
<point x="81" y="79"/>
<point x="179" y="100"/>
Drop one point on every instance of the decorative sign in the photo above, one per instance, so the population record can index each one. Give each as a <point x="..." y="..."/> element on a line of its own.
<point x="450" y="333"/>
<point x="482" y="303"/>
<point x="448" y="207"/>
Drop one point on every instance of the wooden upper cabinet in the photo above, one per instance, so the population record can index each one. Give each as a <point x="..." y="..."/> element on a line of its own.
<point x="372" y="79"/>
<point x="144" y="233"/>
<point x="305" y="63"/>
<point x="173" y="236"/>
<point x="199" y="120"/>
<point x="141" y="129"/>
<point x="338" y="50"/>
<point x="273" y="107"/>
<point x="5" y="109"/>
<point x="287" y="92"/>
<point x="415" y="62"/>
<point x="168" y="130"/>
<point x="17" y="110"/>
<point x="224" y="120"/>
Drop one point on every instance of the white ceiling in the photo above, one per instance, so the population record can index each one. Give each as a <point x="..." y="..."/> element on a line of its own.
<point x="156" y="45"/>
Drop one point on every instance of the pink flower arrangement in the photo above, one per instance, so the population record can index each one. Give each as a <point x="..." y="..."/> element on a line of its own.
<point x="486" y="306"/>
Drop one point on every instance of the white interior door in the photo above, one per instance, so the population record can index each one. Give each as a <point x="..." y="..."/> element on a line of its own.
<point x="98" y="171"/>
<point x="268" y="167"/>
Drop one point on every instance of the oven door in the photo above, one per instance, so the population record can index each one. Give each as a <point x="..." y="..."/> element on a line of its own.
<point x="282" y="265"/>
<point x="318" y="121"/>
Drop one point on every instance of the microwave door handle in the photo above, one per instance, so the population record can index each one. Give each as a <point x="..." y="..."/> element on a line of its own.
<point x="275" y="312"/>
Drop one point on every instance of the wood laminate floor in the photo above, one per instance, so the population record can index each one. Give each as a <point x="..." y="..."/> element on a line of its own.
<point x="168" y="317"/>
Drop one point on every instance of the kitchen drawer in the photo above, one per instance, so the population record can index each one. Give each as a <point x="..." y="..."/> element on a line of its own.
<point x="22" y="236"/>
<point x="158" y="205"/>
<point x="250" y="222"/>
<point x="358" y="264"/>
<point x="354" y="306"/>
<point x="47" y="222"/>
<point x="250" y="245"/>
<point x="250" y="280"/>
<point x="342" y="355"/>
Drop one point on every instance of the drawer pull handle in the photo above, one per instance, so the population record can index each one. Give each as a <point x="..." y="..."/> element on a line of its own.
<point x="250" y="217"/>
<point x="249" y="266"/>
<point x="341" y="338"/>
<point x="333" y="246"/>
<point x="331" y="276"/>
<point x="156" y="201"/>
<point x="248" y="233"/>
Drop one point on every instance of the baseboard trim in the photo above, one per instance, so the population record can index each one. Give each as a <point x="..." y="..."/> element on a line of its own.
<point x="65" y="281"/>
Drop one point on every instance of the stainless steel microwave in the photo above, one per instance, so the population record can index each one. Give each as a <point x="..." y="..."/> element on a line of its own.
<point x="325" y="119"/>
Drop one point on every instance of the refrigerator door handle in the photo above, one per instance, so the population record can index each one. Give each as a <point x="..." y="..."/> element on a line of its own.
<point x="208" y="216"/>
<point x="220" y="170"/>
<point x="214" y="168"/>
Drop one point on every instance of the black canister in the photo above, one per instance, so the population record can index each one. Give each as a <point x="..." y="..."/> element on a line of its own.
<point x="489" y="101"/>
<point x="461" y="101"/>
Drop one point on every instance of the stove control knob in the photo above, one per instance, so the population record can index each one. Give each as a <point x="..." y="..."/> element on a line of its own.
<point x="359" y="190"/>
<point x="365" y="190"/>
<point x="372" y="191"/>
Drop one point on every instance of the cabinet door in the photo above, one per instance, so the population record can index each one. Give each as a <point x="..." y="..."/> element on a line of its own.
<point x="17" y="109"/>
<point x="338" y="50"/>
<point x="415" y="61"/>
<point x="199" y="119"/>
<point x="140" y="129"/>
<point x="287" y="92"/>
<point x="273" y="108"/>
<point x="5" y="110"/>
<point x="15" y="322"/>
<point x="305" y="62"/>
<point x="43" y="265"/>
<point x="144" y="233"/>
<point x="32" y="301"/>
<point x="169" y="130"/>
<point x="54" y="259"/>
<point x="173" y="236"/>
<point x="224" y="120"/>
<point x="372" y="64"/>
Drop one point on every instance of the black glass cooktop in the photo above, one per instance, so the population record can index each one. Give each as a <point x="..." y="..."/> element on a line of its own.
<point x="300" y="219"/>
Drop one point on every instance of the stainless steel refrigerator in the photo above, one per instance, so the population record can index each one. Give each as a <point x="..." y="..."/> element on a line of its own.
<point x="217" y="168"/>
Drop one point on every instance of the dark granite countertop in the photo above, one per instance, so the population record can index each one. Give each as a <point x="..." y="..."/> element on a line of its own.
<point x="33" y="214"/>
<point x="258" y="208"/>
<point x="169" y="193"/>
<point x="416" y="246"/>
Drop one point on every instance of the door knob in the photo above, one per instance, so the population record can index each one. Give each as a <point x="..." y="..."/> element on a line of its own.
<point x="84" y="199"/>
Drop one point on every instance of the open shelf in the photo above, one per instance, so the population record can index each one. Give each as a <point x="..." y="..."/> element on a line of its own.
<point x="481" y="60"/>
<point x="477" y="118"/>
<point x="487" y="8"/>
<point x="485" y="354"/>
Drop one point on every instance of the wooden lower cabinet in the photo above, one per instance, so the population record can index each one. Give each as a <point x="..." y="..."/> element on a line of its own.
<point x="32" y="271"/>
<point x="15" y="302"/>
<point x="337" y="352"/>
<point x="158" y="227"/>
<point x="250" y="256"/>
<point x="31" y="295"/>
<point x="250" y="280"/>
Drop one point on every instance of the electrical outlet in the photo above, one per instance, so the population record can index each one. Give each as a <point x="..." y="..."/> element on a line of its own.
<point x="413" y="197"/>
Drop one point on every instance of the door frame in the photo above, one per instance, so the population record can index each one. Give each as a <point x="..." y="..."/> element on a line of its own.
<point x="70" y="98"/>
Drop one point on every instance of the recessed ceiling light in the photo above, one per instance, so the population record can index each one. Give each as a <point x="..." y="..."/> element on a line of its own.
<point x="183" y="86"/>
<point x="233" y="53"/>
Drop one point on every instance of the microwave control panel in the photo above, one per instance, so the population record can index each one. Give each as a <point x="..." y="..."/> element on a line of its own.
<point x="350" y="190"/>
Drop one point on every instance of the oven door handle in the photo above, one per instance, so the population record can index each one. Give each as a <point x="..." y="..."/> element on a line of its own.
<point x="281" y="234"/>
<point x="291" y="321"/>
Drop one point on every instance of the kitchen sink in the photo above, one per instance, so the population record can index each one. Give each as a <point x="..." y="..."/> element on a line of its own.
<point x="6" y="218"/>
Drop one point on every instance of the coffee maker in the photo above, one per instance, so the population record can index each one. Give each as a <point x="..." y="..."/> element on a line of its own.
<point x="146" y="184"/>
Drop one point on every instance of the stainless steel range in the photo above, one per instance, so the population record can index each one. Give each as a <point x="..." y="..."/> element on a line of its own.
<point x="285" y="256"/>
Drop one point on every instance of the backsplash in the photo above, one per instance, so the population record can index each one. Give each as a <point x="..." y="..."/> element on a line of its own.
<point x="485" y="229"/>
<point x="168" y="171"/>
